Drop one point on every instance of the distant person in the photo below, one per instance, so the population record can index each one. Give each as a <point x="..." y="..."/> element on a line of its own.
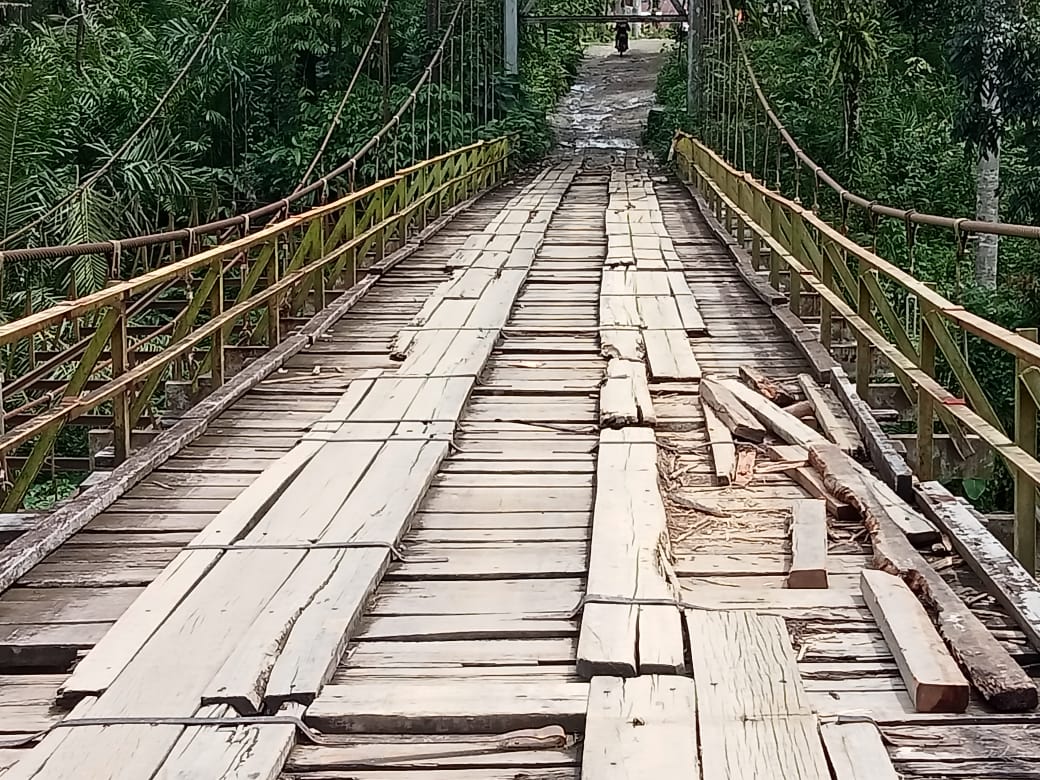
<point x="621" y="37"/>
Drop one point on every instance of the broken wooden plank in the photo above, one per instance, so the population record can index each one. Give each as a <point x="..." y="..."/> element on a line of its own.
<point x="741" y="422"/>
<point x="669" y="356"/>
<point x="837" y="428"/>
<point x="930" y="673"/>
<point x="856" y="752"/>
<point x="754" y="716"/>
<point x="812" y="483"/>
<point x="625" y="344"/>
<point x="786" y="426"/>
<point x="765" y="386"/>
<point x="744" y="469"/>
<point x="251" y="752"/>
<point x="624" y="398"/>
<point x="999" y="679"/>
<point x="649" y="722"/>
<point x="808" y="545"/>
<point x="1004" y="577"/>
<point x="448" y="707"/>
<point x="723" y="450"/>
<point x="626" y="560"/>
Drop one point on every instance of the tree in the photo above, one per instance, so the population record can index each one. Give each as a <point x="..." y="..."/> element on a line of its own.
<point x="853" y="56"/>
<point x="994" y="53"/>
<point x="809" y="15"/>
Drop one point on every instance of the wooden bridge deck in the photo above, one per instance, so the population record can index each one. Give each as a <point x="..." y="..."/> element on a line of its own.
<point x="474" y="632"/>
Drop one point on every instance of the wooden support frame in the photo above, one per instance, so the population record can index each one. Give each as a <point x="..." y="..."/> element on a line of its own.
<point x="283" y="262"/>
<point x="814" y="257"/>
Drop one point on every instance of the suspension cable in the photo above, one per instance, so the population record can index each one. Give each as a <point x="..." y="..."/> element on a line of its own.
<point x="4" y="240"/>
<point x="346" y="96"/>
<point x="871" y="206"/>
<point x="256" y="215"/>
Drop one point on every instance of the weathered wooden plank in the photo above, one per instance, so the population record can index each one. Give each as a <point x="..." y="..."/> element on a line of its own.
<point x="754" y="716"/>
<point x="808" y="545"/>
<point x="989" y="667"/>
<point x="645" y="724"/>
<point x="624" y="398"/>
<point x="626" y="561"/>
<point x="890" y="464"/>
<point x="476" y="707"/>
<point x="838" y="429"/>
<point x="253" y="752"/>
<point x="731" y="411"/>
<point x="670" y="356"/>
<point x="856" y="752"/>
<point x="110" y="656"/>
<point x="723" y="450"/>
<point x="542" y="750"/>
<point x="931" y="675"/>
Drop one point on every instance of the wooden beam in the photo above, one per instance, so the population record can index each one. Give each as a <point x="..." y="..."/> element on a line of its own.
<point x="997" y="676"/>
<point x="930" y="673"/>
<point x="731" y="411"/>
<point x="808" y="545"/>
<point x="786" y="426"/>
<point x="723" y="450"/>
<point x="1004" y="577"/>
<point x="893" y="468"/>
<point x="838" y="429"/>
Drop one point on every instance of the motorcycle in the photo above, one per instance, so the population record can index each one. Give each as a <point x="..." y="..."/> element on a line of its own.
<point x="621" y="41"/>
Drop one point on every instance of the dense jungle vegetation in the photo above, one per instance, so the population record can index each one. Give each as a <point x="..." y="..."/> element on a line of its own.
<point x="253" y="86"/>
<point x="930" y="105"/>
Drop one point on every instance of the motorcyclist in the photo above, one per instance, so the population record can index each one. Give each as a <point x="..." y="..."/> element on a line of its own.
<point x="621" y="37"/>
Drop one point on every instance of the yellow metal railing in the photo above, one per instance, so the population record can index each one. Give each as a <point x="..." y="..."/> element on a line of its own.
<point x="236" y="291"/>
<point x="809" y="256"/>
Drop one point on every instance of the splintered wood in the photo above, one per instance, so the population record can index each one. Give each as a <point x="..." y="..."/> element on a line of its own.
<point x="996" y="675"/>
<point x="254" y="615"/>
<point x="627" y="561"/>
<point x="624" y="398"/>
<point x="646" y="306"/>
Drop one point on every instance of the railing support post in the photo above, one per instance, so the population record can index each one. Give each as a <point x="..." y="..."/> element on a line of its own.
<point x="216" y="308"/>
<point x="1025" y="489"/>
<point x="274" y="320"/>
<point x="862" y="343"/>
<point x="925" y="403"/>
<point x="826" y="310"/>
<point x="121" y="423"/>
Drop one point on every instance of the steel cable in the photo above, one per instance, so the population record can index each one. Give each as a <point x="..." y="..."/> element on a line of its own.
<point x="346" y="97"/>
<point x="873" y="207"/>
<point x="270" y="210"/>
<point x="4" y="240"/>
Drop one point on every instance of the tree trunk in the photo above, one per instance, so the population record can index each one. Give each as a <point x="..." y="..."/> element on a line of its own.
<point x="809" y="15"/>
<point x="987" y="182"/>
<point x="987" y="209"/>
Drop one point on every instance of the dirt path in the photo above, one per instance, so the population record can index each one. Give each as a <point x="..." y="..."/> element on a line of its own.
<point x="608" y="104"/>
